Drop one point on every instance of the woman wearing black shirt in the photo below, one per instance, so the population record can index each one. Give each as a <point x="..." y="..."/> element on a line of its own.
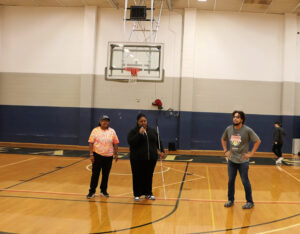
<point x="144" y="151"/>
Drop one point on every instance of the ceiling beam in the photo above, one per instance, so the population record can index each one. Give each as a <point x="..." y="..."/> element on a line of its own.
<point x="266" y="11"/>
<point x="114" y="3"/>
<point x="293" y="11"/>
<point x="60" y="3"/>
<point x="242" y="6"/>
<point x="169" y="4"/>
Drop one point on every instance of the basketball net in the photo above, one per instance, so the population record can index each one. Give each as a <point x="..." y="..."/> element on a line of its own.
<point x="134" y="74"/>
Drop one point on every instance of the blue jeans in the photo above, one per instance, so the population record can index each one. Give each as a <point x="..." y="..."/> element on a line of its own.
<point x="243" y="170"/>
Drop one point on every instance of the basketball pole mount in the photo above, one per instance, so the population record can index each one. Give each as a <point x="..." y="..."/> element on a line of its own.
<point x="138" y="27"/>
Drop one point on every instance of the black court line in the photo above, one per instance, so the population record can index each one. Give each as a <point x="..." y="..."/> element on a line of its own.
<point x="76" y="200"/>
<point x="47" y="173"/>
<point x="157" y="220"/>
<point x="249" y="226"/>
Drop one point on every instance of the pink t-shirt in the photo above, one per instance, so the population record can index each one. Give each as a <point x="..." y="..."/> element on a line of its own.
<point x="103" y="141"/>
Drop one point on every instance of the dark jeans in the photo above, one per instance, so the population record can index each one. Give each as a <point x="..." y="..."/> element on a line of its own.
<point x="142" y="175"/>
<point x="277" y="149"/>
<point x="104" y="163"/>
<point x="243" y="170"/>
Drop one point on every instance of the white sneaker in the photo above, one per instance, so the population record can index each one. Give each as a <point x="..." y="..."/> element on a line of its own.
<point x="150" y="197"/>
<point x="279" y="160"/>
<point x="137" y="199"/>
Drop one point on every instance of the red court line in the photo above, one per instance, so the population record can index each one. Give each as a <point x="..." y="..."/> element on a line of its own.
<point x="157" y="198"/>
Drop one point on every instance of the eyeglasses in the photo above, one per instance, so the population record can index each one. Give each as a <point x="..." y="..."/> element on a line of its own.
<point x="236" y="117"/>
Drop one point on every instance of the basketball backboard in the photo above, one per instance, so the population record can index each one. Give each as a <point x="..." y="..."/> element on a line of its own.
<point x="144" y="61"/>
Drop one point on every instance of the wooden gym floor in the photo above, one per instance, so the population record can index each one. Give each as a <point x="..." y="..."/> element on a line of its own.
<point x="46" y="194"/>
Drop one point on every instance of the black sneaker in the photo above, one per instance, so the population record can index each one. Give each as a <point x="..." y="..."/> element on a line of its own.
<point x="105" y="194"/>
<point x="248" y="205"/>
<point x="229" y="204"/>
<point x="90" y="195"/>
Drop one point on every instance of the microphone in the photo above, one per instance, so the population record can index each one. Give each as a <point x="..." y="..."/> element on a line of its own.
<point x="144" y="133"/>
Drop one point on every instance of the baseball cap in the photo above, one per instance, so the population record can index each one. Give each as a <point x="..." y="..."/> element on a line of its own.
<point x="103" y="117"/>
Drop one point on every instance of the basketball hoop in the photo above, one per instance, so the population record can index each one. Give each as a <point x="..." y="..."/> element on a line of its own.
<point x="134" y="73"/>
<point x="132" y="70"/>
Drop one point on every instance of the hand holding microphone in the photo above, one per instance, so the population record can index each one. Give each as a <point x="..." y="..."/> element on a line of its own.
<point x="142" y="131"/>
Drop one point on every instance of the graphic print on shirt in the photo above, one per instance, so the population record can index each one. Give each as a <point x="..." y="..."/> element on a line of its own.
<point x="235" y="140"/>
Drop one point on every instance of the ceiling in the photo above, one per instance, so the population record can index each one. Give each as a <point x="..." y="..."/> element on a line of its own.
<point x="257" y="6"/>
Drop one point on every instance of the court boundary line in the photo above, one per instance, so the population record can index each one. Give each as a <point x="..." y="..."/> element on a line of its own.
<point x="248" y="226"/>
<point x="286" y="172"/>
<point x="95" y="201"/>
<point x="280" y="229"/>
<point x="112" y="173"/>
<point x="157" y="198"/>
<point x="10" y="164"/>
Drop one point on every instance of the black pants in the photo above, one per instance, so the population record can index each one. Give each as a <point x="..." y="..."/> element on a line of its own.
<point x="277" y="149"/>
<point x="142" y="175"/>
<point x="104" y="163"/>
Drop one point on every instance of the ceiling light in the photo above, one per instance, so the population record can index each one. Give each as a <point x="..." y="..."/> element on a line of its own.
<point x="201" y="0"/>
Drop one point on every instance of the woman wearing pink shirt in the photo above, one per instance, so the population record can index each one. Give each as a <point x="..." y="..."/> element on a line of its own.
<point x="103" y="148"/>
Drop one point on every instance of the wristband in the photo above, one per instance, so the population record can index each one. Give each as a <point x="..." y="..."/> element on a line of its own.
<point x="226" y="151"/>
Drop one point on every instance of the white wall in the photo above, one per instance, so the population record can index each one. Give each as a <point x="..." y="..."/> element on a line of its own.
<point x="41" y="40"/>
<point x="298" y="50"/>
<point x="1" y="31"/>
<point x="297" y="96"/>
<point x="227" y="46"/>
<point x="239" y="46"/>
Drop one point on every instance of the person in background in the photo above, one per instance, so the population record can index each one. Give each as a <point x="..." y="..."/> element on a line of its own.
<point x="239" y="136"/>
<point x="145" y="148"/>
<point x="278" y="139"/>
<point x="103" y="146"/>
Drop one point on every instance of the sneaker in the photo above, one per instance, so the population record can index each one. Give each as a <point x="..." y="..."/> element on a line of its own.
<point x="229" y="204"/>
<point x="105" y="194"/>
<point x="279" y="160"/>
<point x="150" y="197"/>
<point x="90" y="195"/>
<point x="137" y="199"/>
<point x="248" y="205"/>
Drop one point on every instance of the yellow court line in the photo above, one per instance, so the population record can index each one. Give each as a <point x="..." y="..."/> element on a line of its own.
<point x="17" y="162"/>
<point x="281" y="169"/>
<point x="280" y="229"/>
<point x="211" y="201"/>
